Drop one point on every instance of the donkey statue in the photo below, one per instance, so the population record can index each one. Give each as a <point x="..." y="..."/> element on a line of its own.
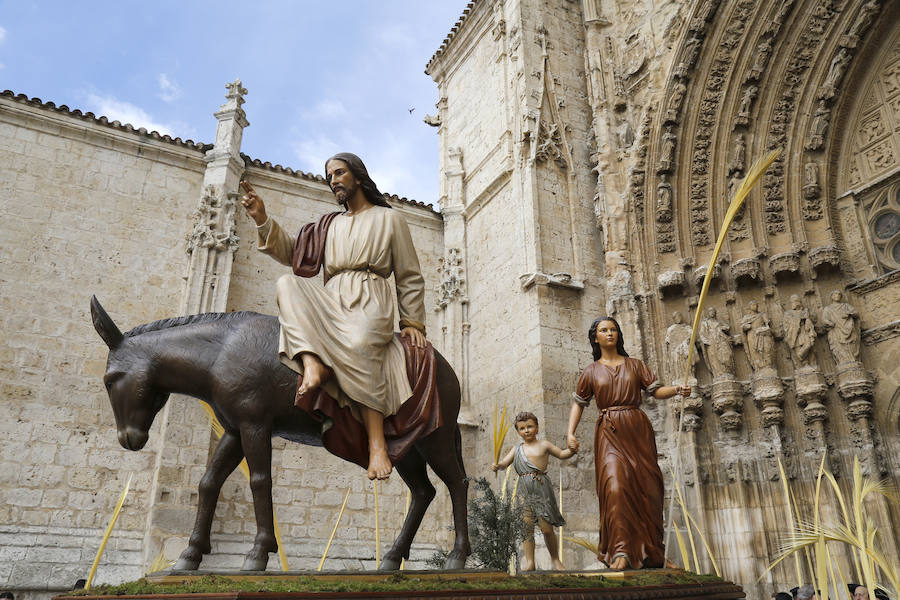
<point x="230" y="361"/>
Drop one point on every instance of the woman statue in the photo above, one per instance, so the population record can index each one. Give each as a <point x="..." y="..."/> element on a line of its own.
<point x="841" y="321"/>
<point x="629" y="481"/>
<point x="758" y="339"/>
<point x="799" y="333"/>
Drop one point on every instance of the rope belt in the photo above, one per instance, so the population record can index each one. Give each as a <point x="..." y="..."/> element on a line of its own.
<point x="367" y="269"/>
<point x="536" y="475"/>
<point x="604" y="414"/>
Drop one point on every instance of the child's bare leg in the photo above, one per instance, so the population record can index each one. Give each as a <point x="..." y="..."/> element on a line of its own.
<point x="552" y="544"/>
<point x="528" y="543"/>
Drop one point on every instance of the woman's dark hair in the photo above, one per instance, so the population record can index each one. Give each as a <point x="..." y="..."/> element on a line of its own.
<point x="592" y="337"/>
<point x="356" y="166"/>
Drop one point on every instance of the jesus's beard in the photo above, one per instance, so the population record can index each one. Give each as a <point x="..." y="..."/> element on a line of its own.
<point x="343" y="194"/>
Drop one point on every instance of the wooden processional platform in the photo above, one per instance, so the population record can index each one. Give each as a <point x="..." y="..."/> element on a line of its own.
<point x="460" y="585"/>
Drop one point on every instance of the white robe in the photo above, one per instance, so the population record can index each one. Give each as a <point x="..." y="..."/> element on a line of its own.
<point x="348" y="322"/>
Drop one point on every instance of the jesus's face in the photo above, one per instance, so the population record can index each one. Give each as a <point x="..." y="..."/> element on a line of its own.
<point x="341" y="180"/>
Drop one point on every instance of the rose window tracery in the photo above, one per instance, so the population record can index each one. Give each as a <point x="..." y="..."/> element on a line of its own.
<point x="884" y="227"/>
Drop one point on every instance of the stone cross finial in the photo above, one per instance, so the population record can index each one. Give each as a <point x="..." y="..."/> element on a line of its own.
<point x="235" y="95"/>
<point x="235" y="89"/>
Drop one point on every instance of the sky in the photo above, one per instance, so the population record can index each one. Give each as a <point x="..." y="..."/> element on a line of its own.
<point x="322" y="77"/>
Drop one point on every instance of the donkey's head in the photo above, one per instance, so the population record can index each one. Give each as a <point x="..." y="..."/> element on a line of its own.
<point x="135" y="401"/>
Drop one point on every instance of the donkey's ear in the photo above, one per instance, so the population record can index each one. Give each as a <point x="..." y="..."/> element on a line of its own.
<point x="104" y="325"/>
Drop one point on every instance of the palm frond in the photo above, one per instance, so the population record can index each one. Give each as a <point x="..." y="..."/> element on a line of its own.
<point x="586" y="544"/>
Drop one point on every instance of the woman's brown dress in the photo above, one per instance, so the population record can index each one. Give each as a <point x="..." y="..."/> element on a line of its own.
<point x="629" y="481"/>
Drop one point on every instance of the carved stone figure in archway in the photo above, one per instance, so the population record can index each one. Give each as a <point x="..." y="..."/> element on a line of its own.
<point x="758" y="339"/>
<point x="667" y="153"/>
<point x="841" y="321"/>
<point x="664" y="201"/>
<point x="747" y="99"/>
<point x="675" y="100"/>
<point x="678" y="336"/>
<point x="836" y="72"/>
<point x="716" y="344"/>
<point x="738" y="154"/>
<point x="799" y="333"/>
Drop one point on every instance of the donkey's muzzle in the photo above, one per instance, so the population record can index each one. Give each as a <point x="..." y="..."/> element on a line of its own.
<point x="132" y="439"/>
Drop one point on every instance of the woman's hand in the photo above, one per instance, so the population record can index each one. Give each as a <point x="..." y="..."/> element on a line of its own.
<point x="571" y="442"/>
<point x="253" y="204"/>
<point x="416" y="337"/>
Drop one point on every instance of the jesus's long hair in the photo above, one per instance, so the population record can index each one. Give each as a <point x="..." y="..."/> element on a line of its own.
<point x="592" y="337"/>
<point x="356" y="166"/>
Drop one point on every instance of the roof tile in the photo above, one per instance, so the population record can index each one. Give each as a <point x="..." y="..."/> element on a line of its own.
<point x="199" y="146"/>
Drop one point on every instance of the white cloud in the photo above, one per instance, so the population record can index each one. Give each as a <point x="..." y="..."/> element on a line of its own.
<point x="118" y="110"/>
<point x="2" y="34"/>
<point x="325" y="110"/>
<point x="313" y="151"/>
<point x="395" y="35"/>
<point x="168" y="90"/>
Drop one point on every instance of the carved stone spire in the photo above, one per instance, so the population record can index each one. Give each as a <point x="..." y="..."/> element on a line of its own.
<point x="212" y="241"/>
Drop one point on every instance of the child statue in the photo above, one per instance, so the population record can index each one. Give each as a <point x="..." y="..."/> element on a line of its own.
<point x="529" y="458"/>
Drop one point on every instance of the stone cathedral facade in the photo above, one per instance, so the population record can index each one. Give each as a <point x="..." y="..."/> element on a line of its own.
<point x="588" y="151"/>
<point x="607" y="139"/>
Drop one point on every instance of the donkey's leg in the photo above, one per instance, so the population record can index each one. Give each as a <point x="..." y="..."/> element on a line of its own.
<point x="225" y="459"/>
<point x="257" y="443"/>
<point x="443" y="453"/>
<point x="412" y="470"/>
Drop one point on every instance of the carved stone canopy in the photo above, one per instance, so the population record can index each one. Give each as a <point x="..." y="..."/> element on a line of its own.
<point x="785" y="264"/>
<point x="670" y="282"/>
<point x="746" y="271"/>
<point x="700" y="273"/>
<point x="825" y="257"/>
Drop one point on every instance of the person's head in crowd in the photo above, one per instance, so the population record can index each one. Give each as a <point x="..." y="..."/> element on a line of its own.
<point x="880" y="594"/>
<point x="806" y="592"/>
<point x="794" y="592"/>
<point x="7" y="596"/>
<point x="782" y="596"/>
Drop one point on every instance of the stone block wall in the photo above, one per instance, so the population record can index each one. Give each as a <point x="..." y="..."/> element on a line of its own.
<point x="526" y="217"/>
<point x="99" y="208"/>
<point x="89" y="209"/>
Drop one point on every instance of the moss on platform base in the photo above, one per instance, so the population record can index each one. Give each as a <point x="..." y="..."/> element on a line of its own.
<point x="395" y="583"/>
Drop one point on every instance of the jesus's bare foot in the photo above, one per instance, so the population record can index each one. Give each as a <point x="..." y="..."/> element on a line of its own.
<point x="557" y="564"/>
<point x="314" y="373"/>
<point x="619" y="563"/>
<point x="379" y="464"/>
<point x="671" y="565"/>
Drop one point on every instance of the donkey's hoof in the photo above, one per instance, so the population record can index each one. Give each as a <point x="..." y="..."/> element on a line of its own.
<point x="255" y="564"/>
<point x="186" y="564"/>
<point x="389" y="564"/>
<point x="454" y="563"/>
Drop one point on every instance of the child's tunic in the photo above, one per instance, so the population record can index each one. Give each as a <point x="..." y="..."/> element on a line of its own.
<point x="535" y="490"/>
